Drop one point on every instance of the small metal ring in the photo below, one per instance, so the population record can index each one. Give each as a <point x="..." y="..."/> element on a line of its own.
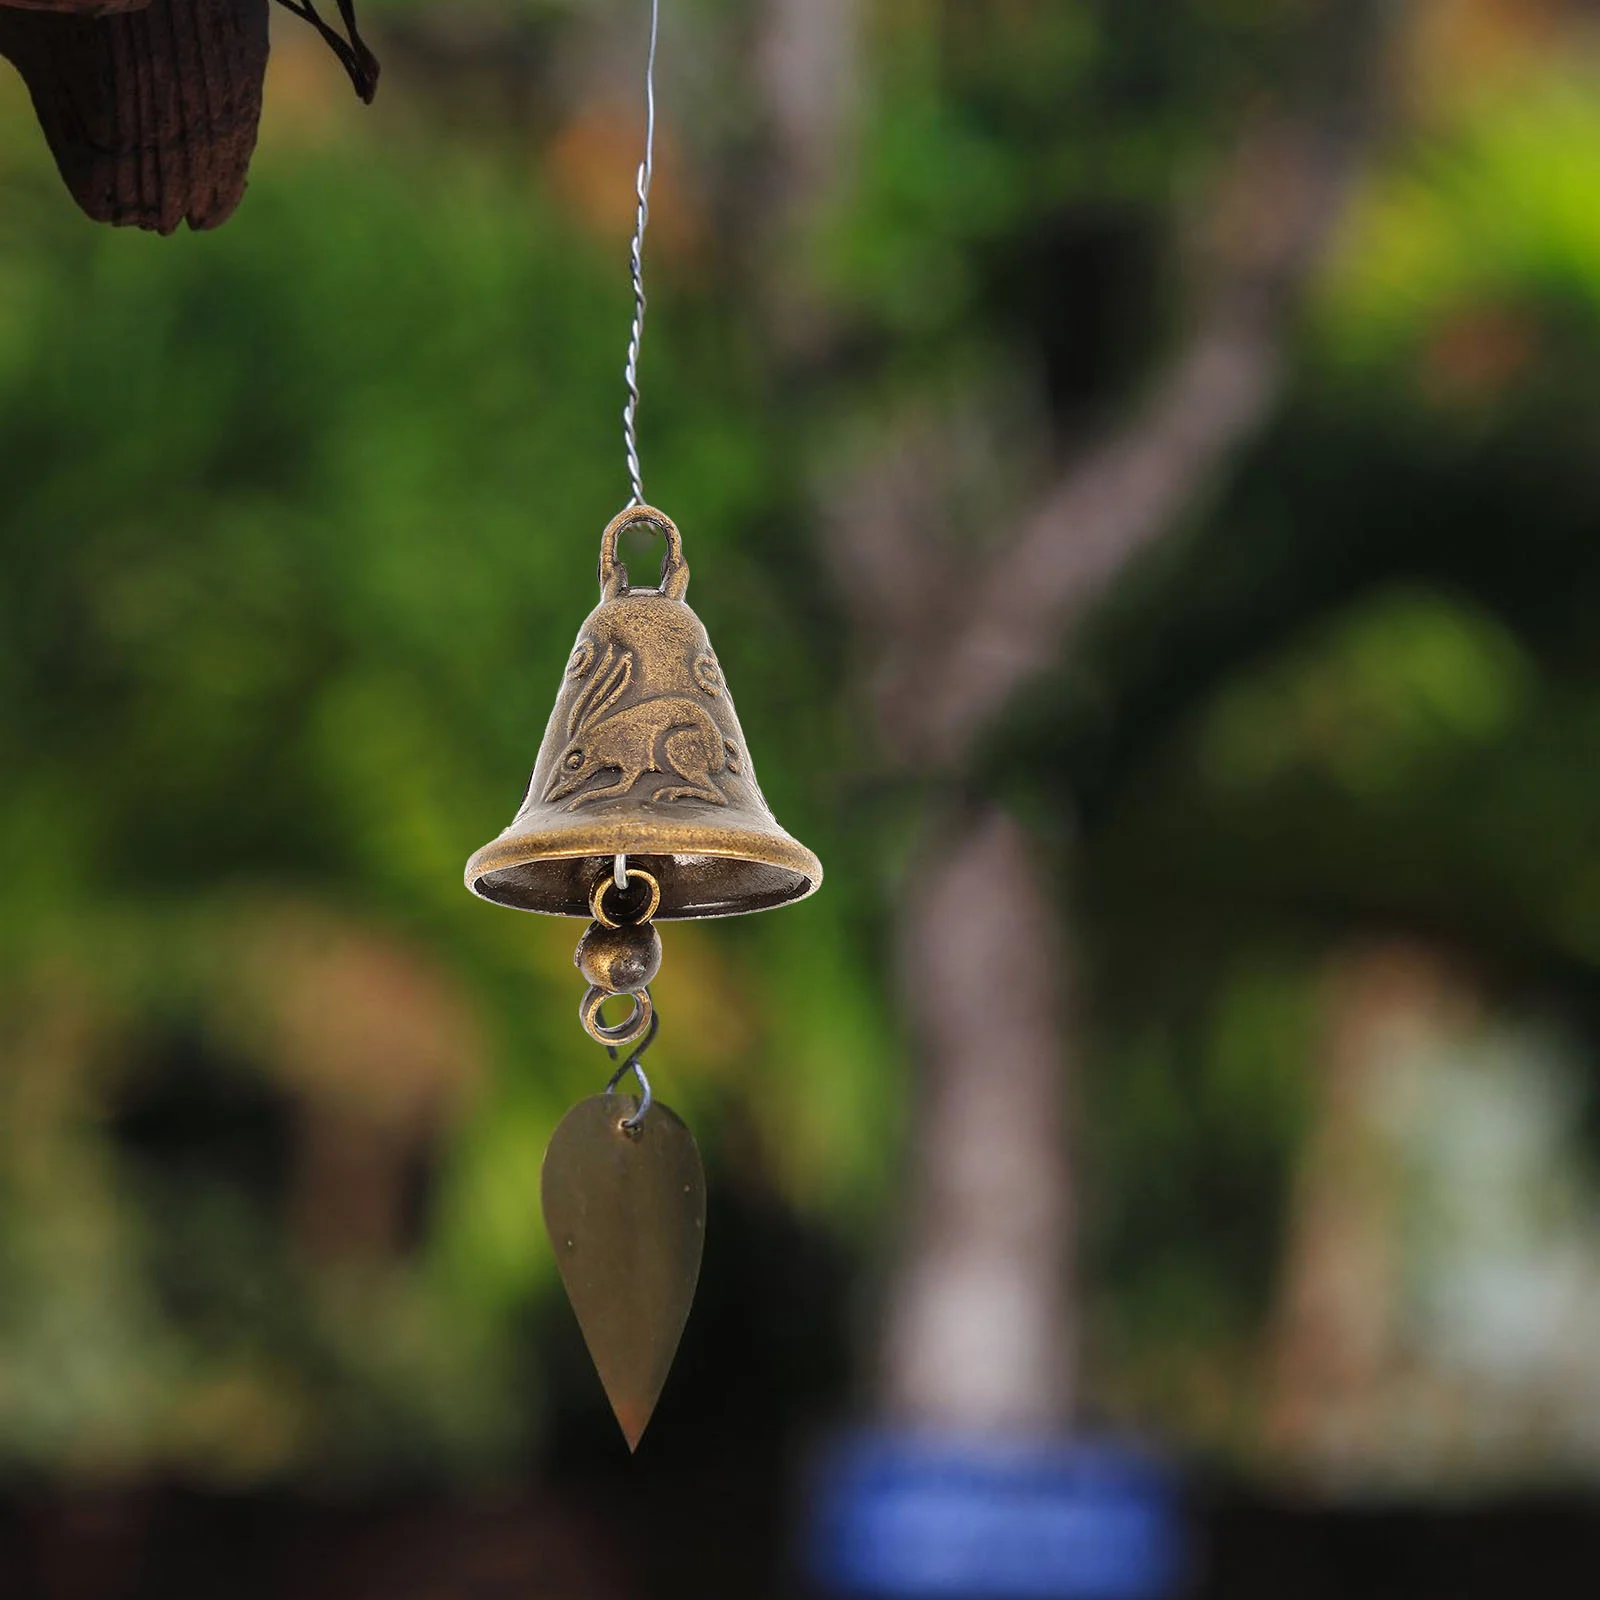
<point x="624" y="1033"/>
<point x="597" y="899"/>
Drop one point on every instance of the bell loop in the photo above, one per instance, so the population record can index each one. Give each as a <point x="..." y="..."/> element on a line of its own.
<point x="674" y="569"/>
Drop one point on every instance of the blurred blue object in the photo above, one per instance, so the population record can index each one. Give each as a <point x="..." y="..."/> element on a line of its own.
<point x="940" y="1517"/>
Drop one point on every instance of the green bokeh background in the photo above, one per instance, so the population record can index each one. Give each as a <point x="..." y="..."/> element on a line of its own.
<point x="298" y="519"/>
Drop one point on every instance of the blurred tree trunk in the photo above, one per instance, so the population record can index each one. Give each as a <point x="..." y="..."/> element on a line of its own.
<point x="980" y="1325"/>
<point x="807" y="69"/>
<point x="979" y="1331"/>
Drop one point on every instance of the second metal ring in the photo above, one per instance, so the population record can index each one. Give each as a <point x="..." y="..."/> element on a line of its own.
<point x="624" y="1033"/>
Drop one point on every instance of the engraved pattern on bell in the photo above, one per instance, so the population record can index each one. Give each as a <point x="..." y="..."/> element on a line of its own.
<point x="707" y="674"/>
<point x="670" y="739"/>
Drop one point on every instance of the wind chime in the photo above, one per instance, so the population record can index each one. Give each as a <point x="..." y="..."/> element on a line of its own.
<point x="643" y="806"/>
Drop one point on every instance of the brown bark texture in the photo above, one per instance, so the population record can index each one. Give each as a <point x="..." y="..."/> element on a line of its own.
<point x="151" y="114"/>
<point x="77" y="8"/>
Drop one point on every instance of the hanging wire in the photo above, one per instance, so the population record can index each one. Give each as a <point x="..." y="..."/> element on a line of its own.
<point x="646" y="1098"/>
<point x="647" y="167"/>
<point x="630" y="440"/>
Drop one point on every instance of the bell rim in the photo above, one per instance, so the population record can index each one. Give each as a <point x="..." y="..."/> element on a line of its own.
<point x="776" y="849"/>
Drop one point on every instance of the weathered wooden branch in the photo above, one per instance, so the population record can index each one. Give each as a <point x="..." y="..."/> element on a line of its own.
<point x="152" y="114"/>
<point x="77" y="8"/>
<point x="151" y="108"/>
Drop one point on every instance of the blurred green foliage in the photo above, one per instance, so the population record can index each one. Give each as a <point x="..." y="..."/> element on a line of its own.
<point x="299" y="520"/>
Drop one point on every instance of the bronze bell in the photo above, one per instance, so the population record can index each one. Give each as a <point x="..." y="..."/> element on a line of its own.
<point x="644" y="758"/>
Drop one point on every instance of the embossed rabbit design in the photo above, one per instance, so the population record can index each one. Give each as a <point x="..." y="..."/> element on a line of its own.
<point x="669" y="734"/>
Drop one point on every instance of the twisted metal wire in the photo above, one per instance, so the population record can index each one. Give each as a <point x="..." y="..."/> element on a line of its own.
<point x="632" y="1064"/>
<point x="647" y="167"/>
<point x="630" y="440"/>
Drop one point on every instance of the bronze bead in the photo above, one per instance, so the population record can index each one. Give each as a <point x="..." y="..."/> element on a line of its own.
<point x="619" y="960"/>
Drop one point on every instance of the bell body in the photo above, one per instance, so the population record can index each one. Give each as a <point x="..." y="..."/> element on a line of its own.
<point x="644" y="757"/>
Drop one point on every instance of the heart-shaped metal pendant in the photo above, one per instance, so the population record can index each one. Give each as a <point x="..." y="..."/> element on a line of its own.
<point x="626" y="1212"/>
